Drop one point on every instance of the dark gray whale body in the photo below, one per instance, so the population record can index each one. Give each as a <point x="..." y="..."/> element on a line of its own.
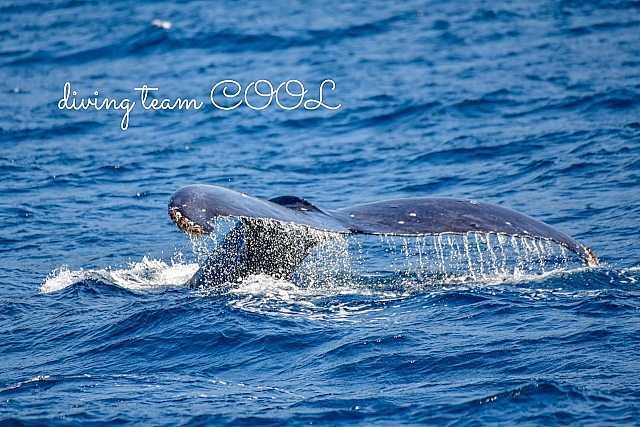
<point x="274" y="236"/>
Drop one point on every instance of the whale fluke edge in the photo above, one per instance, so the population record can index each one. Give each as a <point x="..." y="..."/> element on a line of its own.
<point x="274" y="236"/>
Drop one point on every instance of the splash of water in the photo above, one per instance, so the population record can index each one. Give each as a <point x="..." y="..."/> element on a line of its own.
<point x="144" y="275"/>
<point x="388" y="265"/>
<point x="477" y="257"/>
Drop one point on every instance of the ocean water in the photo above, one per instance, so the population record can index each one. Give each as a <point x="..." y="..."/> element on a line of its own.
<point x="534" y="106"/>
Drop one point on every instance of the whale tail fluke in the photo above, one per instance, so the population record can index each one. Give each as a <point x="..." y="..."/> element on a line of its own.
<point x="274" y="236"/>
<point x="433" y="216"/>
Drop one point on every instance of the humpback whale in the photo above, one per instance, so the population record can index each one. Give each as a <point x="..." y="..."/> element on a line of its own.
<point x="274" y="236"/>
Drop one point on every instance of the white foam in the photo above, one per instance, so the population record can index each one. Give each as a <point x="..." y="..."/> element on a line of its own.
<point x="60" y="278"/>
<point x="265" y="295"/>
<point x="382" y="269"/>
<point x="143" y="275"/>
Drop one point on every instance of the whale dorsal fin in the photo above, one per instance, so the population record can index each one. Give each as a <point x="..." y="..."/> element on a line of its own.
<point x="295" y="203"/>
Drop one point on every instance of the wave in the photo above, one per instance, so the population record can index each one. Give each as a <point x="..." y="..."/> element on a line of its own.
<point x="347" y="279"/>
<point x="138" y="276"/>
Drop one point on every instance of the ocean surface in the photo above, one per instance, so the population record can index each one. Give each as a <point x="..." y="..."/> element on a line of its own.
<point x="531" y="105"/>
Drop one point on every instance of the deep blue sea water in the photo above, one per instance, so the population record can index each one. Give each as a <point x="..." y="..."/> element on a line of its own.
<point x="534" y="106"/>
